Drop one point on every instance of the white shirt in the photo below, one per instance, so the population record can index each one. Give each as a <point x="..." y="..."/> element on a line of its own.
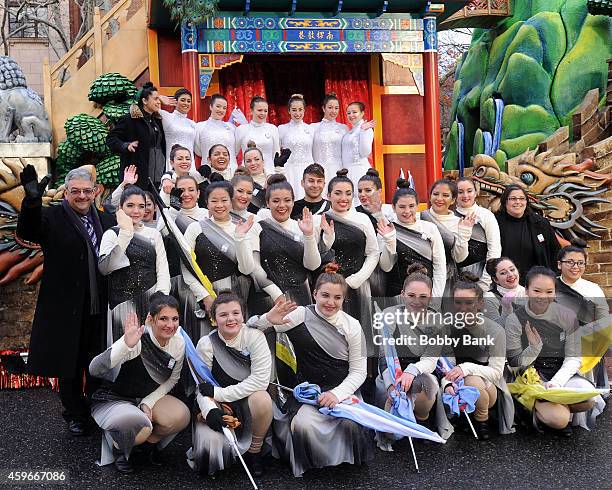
<point x="487" y="220"/>
<point x="113" y="257"/>
<point x="428" y="230"/>
<point x="249" y="341"/>
<point x="265" y="136"/>
<point x="215" y="132"/>
<point x="297" y="136"/>
<point x="592" y="292"/>
<point x="327" y="145"/>
<point x="352" y="332"/>
<point x="178" y="129"/>
<point x="175" y="346"/>
<point x="558" y="315"/>
<point x="462" y="234"/>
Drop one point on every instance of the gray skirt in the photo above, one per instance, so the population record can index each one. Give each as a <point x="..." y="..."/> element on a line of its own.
<point x="311" y="439"/>
<point x="211" y="452"/>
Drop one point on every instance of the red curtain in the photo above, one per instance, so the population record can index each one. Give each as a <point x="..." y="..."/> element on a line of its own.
<point x="349" y="80"/>
<point x="240" y="83"/>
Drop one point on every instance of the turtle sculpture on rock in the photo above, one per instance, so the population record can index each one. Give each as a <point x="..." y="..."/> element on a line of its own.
<point x="22" y="113"/>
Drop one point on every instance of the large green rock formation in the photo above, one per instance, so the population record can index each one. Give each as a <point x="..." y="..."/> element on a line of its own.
<point x="541" y="62"/>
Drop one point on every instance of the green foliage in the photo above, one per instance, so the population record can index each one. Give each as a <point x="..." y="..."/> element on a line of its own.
<point x="108" y="171"/>
<point x="541" y="61"/>
<point x="195" y="11"/>
<point x="111" y="86"/>
<point x="68" y="157"/>
<point x="114" y="110"/>
<point x="87" y="133"/>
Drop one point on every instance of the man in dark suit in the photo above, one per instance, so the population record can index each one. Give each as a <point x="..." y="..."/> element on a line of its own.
<point x="68" y="326"/>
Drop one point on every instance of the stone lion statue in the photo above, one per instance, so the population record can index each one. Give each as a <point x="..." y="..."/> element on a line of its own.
<point x="22" y="113"/>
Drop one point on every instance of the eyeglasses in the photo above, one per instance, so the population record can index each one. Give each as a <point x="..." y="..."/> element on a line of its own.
<point x="76" y="192"/>
<point x="517" y="199"/>
<point x="573" y="263"/>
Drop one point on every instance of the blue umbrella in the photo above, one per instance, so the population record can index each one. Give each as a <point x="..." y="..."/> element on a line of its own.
<point x="464" y="399"/>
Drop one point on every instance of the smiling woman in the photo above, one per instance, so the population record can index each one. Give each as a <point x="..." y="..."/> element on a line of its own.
<point x="133" y="257"/>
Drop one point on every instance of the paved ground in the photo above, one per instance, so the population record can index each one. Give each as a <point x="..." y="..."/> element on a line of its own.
<point x="33" y="437"/>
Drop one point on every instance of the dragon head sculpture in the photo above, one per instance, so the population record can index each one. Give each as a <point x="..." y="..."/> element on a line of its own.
<point x="556" y="185"/>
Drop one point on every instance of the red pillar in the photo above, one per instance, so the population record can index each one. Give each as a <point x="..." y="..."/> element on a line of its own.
<point x="191" y="81"/>
<point x="431" y="102"/>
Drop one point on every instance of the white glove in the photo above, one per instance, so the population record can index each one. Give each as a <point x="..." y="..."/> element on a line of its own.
<point x="237" y="117"/>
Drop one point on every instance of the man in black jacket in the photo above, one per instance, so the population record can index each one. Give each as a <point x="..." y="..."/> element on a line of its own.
<point x="68" y="326"/>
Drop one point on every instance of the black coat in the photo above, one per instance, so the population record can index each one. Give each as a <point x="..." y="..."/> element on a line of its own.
<point x="133" y="127"/>
<point x="63" y="297"/>
<point x="544" y="242"/>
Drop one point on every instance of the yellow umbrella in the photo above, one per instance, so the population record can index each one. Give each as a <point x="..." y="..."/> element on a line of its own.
<point x="527" y="389"/>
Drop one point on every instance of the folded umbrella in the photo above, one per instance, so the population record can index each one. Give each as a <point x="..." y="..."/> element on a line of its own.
<point x="527" y="389"/>
<point x="365" y="414"/>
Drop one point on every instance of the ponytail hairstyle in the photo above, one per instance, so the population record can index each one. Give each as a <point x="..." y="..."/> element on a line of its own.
<point x="175" y="149"/>
<point x="277" y="182"/>
<point x="361" y="105"/>
<point x="159" y="301"/>
<point x="296" y="98"/>
<point x="241" y="174"/>
<point x="577" y="245"/>
<point x="227" y="296"/>
<point x="468" y="281"/>
<point x="417" y="272"/>
<point x="372" y="176"/>
<point x="491" y="266"/>
<point x="252" y="146"/>
<point x="256" y="100"/>
<point x="538" y="270"/>
<point x="341" y="176"/>
<point x="212" y="149"/>
<point x="144" y="93"/>
<point x="330" y="275"/>
<point x="182" y="91"/>
<point x="329" y="97"/>
<point x="450" y="183"/>
<point x="404" y="190"/>
<point x="132" y="190"/>
<point x="219" y="184"/>
<point x="215" y="97"/>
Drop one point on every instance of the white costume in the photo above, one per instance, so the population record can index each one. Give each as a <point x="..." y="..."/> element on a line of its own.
<point x="178" y="129"/>
<point x="327" y="145"/>
<point x="215" y="132"/>
<point x="265" y="136"/>
<point x="356" y="147"/>
<point x="296" y="136"/>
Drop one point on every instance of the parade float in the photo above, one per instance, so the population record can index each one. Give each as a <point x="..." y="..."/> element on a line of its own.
<point x="382" y="52"/>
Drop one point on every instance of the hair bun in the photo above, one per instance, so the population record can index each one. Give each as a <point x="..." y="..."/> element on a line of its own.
<point x="216" y="177"/>
<point x="402" y="183"/>
<point x="251" y="144"/>
<point x="578" y="242"/>
<point x="343" y="172"/>
<point x="276" y="179"/>
<point x="297" y="96"/>
<point x="242" y="171"/>
<point x="331" y="268"/>
<point x="373" y="172"/>
<point x="331" y="94"/>
<point x="147" y="85"/>
<point x="416" y="268"/>
<point x="469" y="277"/>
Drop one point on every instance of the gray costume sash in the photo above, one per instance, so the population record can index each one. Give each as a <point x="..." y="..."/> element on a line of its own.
<point x="413" y="240"/>
<point x="235" y="367"/>
<point x="219" y="238"/>
<point x="326" y="335"/>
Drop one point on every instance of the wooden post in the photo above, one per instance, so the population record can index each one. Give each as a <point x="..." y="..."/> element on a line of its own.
<point x="97" y="32"/>
<point x="191" y="70"/>
<point x="431" y="101"/>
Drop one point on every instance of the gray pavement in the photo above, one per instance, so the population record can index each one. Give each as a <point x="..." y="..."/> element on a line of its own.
<point x="33" y="437"/>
